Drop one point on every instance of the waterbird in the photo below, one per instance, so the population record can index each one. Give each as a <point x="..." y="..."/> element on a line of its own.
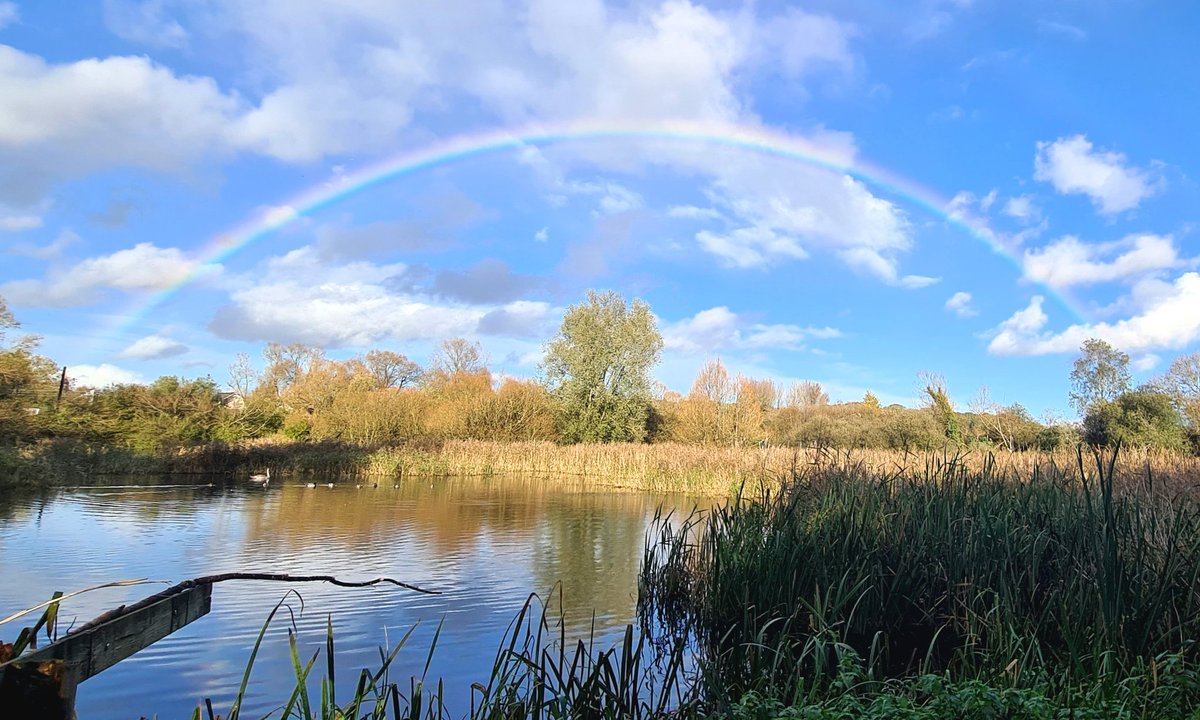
<point x="261" y="478"/>
<point x="328" y="484"/>
<point x="311" y="485"/>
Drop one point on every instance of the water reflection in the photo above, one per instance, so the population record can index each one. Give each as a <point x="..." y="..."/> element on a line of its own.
<point x="485" y="544"/>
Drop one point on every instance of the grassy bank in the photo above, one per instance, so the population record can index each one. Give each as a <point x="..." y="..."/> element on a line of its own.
<point x="701" y="470"/>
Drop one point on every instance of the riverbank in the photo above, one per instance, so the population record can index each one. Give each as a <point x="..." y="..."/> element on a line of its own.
<point x="663" y="467"/>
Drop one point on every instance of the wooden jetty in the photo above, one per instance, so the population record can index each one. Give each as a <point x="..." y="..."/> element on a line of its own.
<point x="41" y="684"/>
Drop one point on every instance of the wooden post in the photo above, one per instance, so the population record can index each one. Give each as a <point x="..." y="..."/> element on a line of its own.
<point x="54" y="671"/>
<point x="62" y="385"/>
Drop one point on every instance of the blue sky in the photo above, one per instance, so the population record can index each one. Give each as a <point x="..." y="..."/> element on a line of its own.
<point x="1014" y="177"/>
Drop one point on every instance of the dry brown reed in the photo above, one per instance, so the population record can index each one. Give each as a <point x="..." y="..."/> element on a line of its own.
<point x="719" y="471"/>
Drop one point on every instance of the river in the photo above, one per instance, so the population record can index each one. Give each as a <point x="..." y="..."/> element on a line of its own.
<point x="485" y="545"/>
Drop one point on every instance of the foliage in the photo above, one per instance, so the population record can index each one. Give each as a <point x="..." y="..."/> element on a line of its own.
<point x="1101" y="374"/>
<point x="1139" y="418"/>
<point x="598" y="366"/>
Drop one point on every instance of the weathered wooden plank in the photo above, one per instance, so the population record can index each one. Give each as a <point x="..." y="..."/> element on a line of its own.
<point x="97" y="648"/>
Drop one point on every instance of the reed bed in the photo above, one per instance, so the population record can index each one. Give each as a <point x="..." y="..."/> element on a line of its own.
<point x="660" y="467"/>
<point x="1054" y="579"/>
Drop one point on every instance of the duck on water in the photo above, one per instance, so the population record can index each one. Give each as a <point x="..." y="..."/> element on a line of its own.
<point x="261" y="479"/>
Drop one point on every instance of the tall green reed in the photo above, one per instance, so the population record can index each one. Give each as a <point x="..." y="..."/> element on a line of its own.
<point x="1052" y="576"/>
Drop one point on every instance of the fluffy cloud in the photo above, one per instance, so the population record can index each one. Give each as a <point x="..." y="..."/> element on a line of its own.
<point x="144" y="267"/>
<point x="1072" y="165"/>
<point x="785" y="211"/>
<point x="154" y="347"/>
<point x="67" y="120"/>
<point x="1167" y="319"/>
<point x="1069" y="261"/>
<point x="750" y="246"/>
<point x="101" y="376"/>
<point x="960" y="304"/>
<point x="719" y="328"/>
<point x="301" y="297"/>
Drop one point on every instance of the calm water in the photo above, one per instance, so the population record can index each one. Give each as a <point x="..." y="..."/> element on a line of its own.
<point x="484" y="544"/>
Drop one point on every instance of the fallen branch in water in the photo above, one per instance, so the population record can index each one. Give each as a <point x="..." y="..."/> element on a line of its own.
<point x="212" y="579"/>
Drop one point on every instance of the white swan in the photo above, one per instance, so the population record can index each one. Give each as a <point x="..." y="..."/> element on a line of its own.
<point x="261" y="479"/>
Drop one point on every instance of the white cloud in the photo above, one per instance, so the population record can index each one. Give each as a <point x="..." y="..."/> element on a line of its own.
<point x="787" y="211"/>
<point x="143" y="21"/>
<point x="614" y="198"/>
<point x="960" y="304"/>
<point x="883" y="267"/>
<point x="17" y="222"/>
<point x="140" y="268"/>
<point x="1167" y="320"/>
<point x="8" y="14"/>
<point x="805" y="42"/>
<point x="52" y="251"/>
<point x="1072" y="166"/>
<point x="301" y="297"/>
<point x="972" y="211"/>
<point x="1068" y="261"/>
<point x="68" y="120"/>
<point x="691" y="212"/>
<point x="1146" y="362"/>
<point x="1022" y="208"/>
<point x="101" y="376"/>
<point x="542" y="235"/>
<point x="719" y="329"/>
<point x="153" y="347"/>
<point x="750" y="246"/>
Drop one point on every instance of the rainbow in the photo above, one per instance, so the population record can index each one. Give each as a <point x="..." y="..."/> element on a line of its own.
<point x="463" y="147"/>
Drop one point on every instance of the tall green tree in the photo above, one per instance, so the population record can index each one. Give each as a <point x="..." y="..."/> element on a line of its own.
<point x="1101" y="374"/>
<point x="25" y="378"/>
<point x="598" y="368"/>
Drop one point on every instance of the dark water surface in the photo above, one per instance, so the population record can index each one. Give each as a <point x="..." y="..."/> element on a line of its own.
<point x="485" y="544"/>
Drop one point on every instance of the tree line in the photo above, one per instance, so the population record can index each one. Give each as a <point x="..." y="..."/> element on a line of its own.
<point x="595" y="386"/>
